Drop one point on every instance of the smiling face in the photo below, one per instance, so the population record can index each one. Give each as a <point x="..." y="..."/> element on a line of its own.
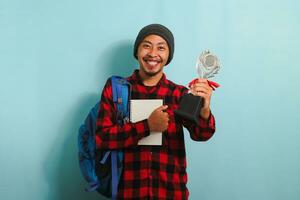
<point x="152" y="54"/>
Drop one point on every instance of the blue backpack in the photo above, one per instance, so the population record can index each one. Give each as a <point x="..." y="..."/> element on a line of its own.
<point x="102" y="169"/>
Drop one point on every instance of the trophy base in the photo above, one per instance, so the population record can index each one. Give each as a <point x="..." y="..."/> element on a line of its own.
<point x="190" y="107"/>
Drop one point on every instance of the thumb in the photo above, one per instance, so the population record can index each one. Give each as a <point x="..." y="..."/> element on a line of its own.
<point x="162" y="108"/>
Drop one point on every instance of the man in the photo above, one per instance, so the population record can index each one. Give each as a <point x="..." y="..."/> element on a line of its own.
<point x="154" y="172"/>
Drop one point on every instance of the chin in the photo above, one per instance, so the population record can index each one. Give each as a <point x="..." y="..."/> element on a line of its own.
<point x="152" y="73"/>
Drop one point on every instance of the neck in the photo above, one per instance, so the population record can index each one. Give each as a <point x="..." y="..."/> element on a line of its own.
<point x="150" y="80"/>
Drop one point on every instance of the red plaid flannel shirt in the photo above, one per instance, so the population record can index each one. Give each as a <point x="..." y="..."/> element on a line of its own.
<point x="150" y="172"/>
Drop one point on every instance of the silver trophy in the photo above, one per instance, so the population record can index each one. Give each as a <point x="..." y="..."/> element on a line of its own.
<point x="207" y="66"/>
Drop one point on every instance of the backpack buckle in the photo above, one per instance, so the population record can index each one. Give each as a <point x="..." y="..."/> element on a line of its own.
<point x="125" y="120"/>
<point x="120" y="100"/>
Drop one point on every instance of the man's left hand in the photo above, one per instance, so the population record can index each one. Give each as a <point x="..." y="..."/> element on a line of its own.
<point x="203" y="89"/>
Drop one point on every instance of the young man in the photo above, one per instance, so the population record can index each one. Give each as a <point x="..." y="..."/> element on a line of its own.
<point x="154" y="172"/>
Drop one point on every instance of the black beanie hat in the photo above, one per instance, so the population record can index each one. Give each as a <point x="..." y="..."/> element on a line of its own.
<point x="155" y="29"/>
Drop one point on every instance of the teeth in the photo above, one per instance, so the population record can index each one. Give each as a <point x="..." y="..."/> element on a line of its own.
<point x="153" y="63"/>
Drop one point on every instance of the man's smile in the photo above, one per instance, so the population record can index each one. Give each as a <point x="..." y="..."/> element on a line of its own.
<point x="152" y="62"/>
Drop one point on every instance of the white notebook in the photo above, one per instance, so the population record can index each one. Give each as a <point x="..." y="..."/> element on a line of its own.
<point x="141" y="109"/>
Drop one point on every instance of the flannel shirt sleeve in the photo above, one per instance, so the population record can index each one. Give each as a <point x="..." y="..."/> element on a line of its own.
<point x="206" y="128"/>
<point x="202" y="132"/>
<point x="111" y="135"/>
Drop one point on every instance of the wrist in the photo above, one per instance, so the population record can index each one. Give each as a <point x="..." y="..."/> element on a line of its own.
<point x="205" y="113"/>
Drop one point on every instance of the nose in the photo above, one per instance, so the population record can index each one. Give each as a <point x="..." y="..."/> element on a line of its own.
<point x="152" y="52"/>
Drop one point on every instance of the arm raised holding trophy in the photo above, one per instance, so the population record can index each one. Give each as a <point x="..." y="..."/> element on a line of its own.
<point x="197" y="101"/>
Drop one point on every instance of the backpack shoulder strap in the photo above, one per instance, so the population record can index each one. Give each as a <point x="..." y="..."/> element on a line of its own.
<point x="121" y="95"/>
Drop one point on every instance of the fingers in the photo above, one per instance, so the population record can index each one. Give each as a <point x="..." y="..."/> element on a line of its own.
<point x="201" y="88"/>
<point x="202" y="83"/>
<point x="162" y="108"/>
<point x="202" y="80"/>
<point x="159" y="120"/>
<point x="166" y="115"/>
<point x="201" y="94"/>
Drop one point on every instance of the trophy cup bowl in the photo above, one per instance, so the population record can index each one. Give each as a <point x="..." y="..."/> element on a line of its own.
<point x="190" y="105"/>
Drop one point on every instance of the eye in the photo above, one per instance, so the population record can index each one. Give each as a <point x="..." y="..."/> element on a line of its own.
<point x="146" y="46"/>
<point x="161" y="48"/>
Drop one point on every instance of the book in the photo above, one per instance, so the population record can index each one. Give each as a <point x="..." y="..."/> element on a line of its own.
<point x="141" y="109"/>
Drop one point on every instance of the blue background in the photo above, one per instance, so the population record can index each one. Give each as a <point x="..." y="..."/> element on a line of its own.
<point x="55" y="57"/>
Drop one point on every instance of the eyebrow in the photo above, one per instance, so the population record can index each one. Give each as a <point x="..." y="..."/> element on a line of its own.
<point x="147" y="41"/>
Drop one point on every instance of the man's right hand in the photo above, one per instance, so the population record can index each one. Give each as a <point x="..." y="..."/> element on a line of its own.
<point x="159" y="120"/>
